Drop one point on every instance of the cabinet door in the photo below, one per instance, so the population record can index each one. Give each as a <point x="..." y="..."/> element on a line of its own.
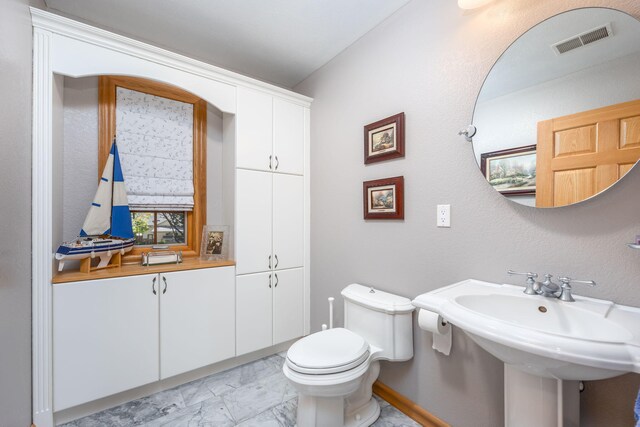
<point x="254" y="137"/>
<point x="105" y="338"/>
<point x="254" y="312"/>
<point x="253" y="221"/>
<point x="288" y="221"/>
<point x="288" y="137"/>
<point x="288" y="305"/>
<point x="197" y="315"/>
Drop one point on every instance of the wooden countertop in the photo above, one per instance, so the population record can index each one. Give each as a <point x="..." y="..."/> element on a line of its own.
<point x="137" y="269"/>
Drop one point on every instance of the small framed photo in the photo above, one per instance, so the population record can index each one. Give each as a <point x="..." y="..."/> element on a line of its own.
<point x="384" y="198"/>
<point x="512" y="172"/>
<point x="215" y="242"/>
<point x="384" y="139"/>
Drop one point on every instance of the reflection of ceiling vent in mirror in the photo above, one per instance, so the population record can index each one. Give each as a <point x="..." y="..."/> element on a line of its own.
<point x="583" y="39"/>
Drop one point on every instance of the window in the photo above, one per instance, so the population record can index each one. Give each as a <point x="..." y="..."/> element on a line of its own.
<point x="159" y="228"/>
<point x="162" y="219"/>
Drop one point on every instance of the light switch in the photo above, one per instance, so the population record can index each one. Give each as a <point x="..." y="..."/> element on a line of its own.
<point x="444" y="215"/>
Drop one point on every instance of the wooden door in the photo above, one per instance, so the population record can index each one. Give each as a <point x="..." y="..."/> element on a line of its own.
<point x="253" y="221"/>
<point x="254" y="131"/>
<point x="105" y="338"/>
<point x="197" y="318"/>
<point x="288" y="221"/>
<point x="582" y="154"/>
<point x="288" y="137"/>
<point x="254" y="312"/>
<point x="288" y="305"/>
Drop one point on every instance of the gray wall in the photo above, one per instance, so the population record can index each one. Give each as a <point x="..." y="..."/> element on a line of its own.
<point x="15" y="211"/>
<point x="429" y="60"/>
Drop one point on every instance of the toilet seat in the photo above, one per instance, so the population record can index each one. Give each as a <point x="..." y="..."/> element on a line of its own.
<point x="328" y="352"/>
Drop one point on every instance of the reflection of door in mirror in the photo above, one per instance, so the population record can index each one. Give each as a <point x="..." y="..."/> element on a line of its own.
<point x="582" y="154"/>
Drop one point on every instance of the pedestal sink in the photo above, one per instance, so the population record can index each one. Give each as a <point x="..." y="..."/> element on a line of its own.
<point x="547" y="345"/>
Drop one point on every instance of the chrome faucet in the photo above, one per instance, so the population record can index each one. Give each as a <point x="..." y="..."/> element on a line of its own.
<point x="548" y="288"/>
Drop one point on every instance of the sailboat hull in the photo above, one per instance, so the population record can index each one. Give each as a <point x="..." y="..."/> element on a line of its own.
<point x="98" y="247"/>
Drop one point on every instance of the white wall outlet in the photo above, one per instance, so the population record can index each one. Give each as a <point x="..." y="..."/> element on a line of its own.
<point x="444" y="215"/>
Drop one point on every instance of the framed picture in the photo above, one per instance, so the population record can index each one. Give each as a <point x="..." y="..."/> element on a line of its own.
<point x="512" y="172"/>
<point x="384" y="139"/>
<point x="215" y="242"/>
<point x="384" y="198"/>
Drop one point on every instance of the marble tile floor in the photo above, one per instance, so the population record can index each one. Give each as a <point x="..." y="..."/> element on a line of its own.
<point x="256" y="394"/>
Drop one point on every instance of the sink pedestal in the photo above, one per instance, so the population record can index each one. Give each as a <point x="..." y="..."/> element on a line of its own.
<point x="533" y="401"/>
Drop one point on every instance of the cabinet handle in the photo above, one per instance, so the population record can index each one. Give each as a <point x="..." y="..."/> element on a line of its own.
<point x="269" y="281"/>
<point x="269" y="262"/>
<point x="276" y="285"/>
<point x="164" y="279"/>
<point x="277" y="162"/>
<point x="153" y="286"/>
<point x="270" y="162"/>
<point x="276" y="257"/>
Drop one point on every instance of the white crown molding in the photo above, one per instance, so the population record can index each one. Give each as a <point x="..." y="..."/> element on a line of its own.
<point x="86" y="33"/>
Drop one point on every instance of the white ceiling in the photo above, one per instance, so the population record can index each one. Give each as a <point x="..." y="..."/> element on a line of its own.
<point x="279" y="41"/>
<point x="530" y="60"/>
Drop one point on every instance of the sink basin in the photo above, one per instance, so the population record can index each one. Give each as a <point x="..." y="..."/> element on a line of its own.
<point x="588" y="339"/>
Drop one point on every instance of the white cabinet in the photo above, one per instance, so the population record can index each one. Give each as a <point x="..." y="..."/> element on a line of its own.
<point x="269" y="309"/>
<point x="288" y="221"/>
<point x="105" y="338"/>
<point x="253" y="221"/>
<point x="254" y="131"/>
<point x="196" y="319"/>
<point x="269" y="221"/>
<point x="254" y="311"/>
<point x="288" y="137"/>
<point x="288" y="307"/>
<point x="112" y="335"/>
<point x="270" y="133"/>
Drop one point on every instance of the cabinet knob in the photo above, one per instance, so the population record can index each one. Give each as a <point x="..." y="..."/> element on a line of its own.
<point x="164" y="279"/>
<point x="277" y="162"/>
<point x="269" y="262"/>
<point x="276" y="285"/>
<point x="269" y="281"/>
<point x="276" y="257"/>
<point x="153" y="286"/>
<point x="270" y="162"/>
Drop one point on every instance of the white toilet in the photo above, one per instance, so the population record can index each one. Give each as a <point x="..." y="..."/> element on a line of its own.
<point x="334" y="370"/>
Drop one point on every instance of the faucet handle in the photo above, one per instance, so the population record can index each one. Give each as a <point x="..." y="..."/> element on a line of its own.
<point x="531" y="281"/>
<point x="566" y="287"/>
<point x="529" y="275"/>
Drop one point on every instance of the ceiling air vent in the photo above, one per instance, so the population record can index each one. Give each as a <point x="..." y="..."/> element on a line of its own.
<point x="583" y="39"/>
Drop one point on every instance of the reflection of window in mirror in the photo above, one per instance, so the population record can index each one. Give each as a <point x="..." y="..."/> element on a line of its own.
<point x="589" y="136"/>
<point x="161" y="136"/>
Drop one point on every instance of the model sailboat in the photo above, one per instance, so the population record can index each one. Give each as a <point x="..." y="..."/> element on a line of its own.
<point x="107" y="228"/>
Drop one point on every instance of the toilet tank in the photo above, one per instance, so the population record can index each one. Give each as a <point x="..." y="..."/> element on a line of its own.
<point x="381" y="318"/>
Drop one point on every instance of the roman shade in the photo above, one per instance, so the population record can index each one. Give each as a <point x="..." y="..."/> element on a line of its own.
<point x="155" y="141"/>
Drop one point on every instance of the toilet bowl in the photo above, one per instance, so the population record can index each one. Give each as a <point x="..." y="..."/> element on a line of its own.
<point x="334" y="370"/>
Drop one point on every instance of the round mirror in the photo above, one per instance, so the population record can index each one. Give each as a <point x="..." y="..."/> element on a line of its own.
<point x="558" y="116"/>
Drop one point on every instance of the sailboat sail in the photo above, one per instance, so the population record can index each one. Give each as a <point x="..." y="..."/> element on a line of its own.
<point x="120" y="215"/>
<point x="109" y="213"/>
